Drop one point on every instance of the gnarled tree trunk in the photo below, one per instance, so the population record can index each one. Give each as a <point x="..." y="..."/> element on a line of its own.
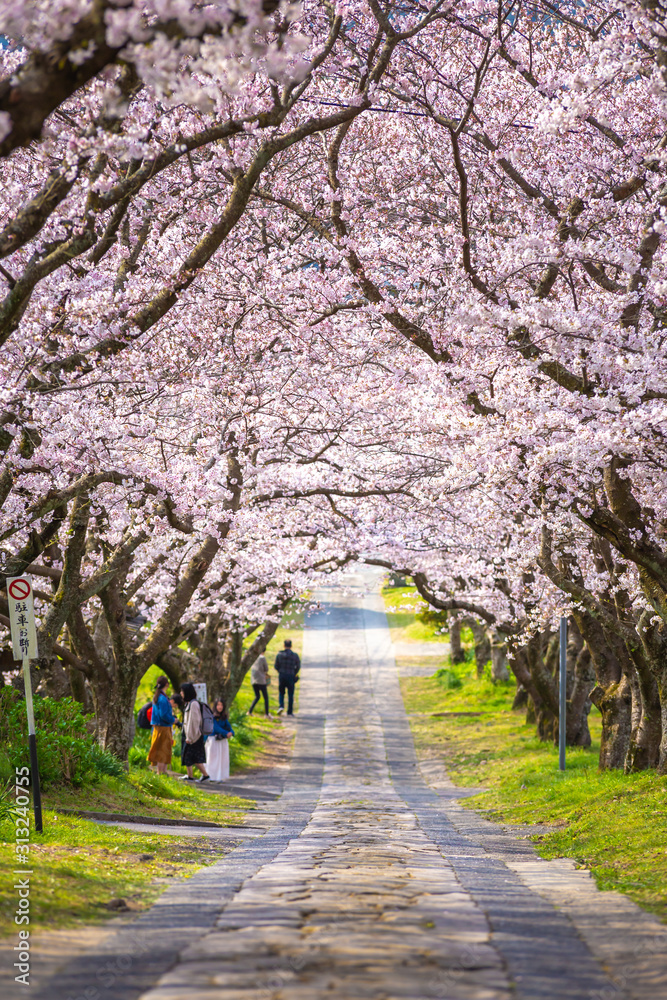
<point x="535" y="666"/>
<point x="499" y="668"/>
<point x="612" y="694"/>
<point x="644" y="746"/>
<point x="457" y="651"/>
<point x="580" y="682"/>
<point x="482" y="644"/>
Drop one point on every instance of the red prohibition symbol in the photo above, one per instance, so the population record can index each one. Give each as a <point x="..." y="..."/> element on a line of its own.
<point x="19" y="590"/>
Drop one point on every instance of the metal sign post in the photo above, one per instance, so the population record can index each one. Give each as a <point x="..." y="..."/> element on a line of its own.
<point x="24" y="642"/>
<point x="562" y="701"/>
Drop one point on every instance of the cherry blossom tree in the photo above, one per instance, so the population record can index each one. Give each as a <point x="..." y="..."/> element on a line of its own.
<point x="501" y="209"/>
<point x="135" y="135"/>
<point x="346" y="280"/>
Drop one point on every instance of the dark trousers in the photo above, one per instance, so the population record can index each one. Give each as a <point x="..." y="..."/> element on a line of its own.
<point x="286" y="684"/>
<point x="260" y="689"/>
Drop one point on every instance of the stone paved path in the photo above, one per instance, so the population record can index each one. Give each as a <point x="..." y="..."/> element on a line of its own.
<point x="374" y="882"/>
<point x="382" y="895"/>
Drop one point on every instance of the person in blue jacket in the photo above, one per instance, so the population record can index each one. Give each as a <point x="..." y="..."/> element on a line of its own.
<point x="162" y="719"/>
<point x="217" y="745"/>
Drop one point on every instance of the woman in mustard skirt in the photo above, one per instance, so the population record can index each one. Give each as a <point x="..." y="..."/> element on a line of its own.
<point x="162" y="719"/>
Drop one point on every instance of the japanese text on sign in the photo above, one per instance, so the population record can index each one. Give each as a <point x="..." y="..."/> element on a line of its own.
<point x="22" y="617"/>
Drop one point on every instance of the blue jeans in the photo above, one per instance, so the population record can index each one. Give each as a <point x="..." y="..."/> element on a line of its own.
<point x="286" y="683"/>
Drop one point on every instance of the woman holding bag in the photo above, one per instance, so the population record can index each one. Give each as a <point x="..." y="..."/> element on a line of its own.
<point x="194" y="754"/>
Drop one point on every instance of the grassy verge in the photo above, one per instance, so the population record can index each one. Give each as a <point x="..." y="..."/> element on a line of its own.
<point x="143" y="793"/>
<point x="404" y="607"/>
<point x="612" y="823"/>
<point x="79" y="868"/>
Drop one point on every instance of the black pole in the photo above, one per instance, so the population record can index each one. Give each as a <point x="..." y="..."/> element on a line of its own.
<point x="32" y="742"/>
<point x="34" y="781"/>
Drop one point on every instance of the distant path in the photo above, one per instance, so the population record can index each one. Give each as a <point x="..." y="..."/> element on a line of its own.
<point x="374" y="883"/>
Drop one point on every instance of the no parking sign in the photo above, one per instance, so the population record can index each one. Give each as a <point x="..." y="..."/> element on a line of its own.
<point x="22" y="617"/>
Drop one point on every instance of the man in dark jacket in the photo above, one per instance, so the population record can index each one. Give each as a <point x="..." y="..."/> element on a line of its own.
<point x="288" y="666"/>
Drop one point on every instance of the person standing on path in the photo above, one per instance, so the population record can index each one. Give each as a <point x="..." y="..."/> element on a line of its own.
<point x="162" y="719"/>
<point x="217" y="746"/>
<point x="288" y="666"/>
<point x="178" y="705"/>
<point x="194" y="752"/>
<point x="260" y="680"/>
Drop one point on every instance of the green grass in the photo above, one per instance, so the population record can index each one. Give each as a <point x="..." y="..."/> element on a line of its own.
<point x="612" y="823"/>
<point x="143" y="793"/>
<point x="78" y="867"/>
<point x="403" y="605"/>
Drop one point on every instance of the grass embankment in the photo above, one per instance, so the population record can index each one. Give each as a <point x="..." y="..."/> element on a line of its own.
<point x="611" y="823"/>
<point x="79" y="866"/>
<point x="402" y="605"/>
<point x="143" y="793"/>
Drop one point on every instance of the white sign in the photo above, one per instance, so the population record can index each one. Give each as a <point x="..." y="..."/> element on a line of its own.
<point x="201" y="692"/>
<point x="22" y="617"/>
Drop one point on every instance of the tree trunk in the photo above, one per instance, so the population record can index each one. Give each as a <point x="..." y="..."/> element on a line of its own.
<point x="654" y="649"/>
<point x="114" y="683"/>
<point x="178" y="665"/>
<point x="234" y="665"/>
<point x="457" y="651"/>
<point x="662" y="759"/>
<point x="644" y="746"/>
<point x="615" y="706"/>
<point x="115" y="721"/>
<point x="580" y="682"/>
<point x="542" y="656"/>
<point x="79" y="691"/>
<point x="535" y="667"/>
<point x="53" y="678"/>
<point x="538" y="713"/>
<point x="482" y="644"/>
<point x="612" y="694"/>
<point x="210" y="653"/>
<point x="499" y="669"/>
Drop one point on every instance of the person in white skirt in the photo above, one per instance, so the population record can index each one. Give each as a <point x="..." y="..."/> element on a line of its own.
<point x="217" y="747"/>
